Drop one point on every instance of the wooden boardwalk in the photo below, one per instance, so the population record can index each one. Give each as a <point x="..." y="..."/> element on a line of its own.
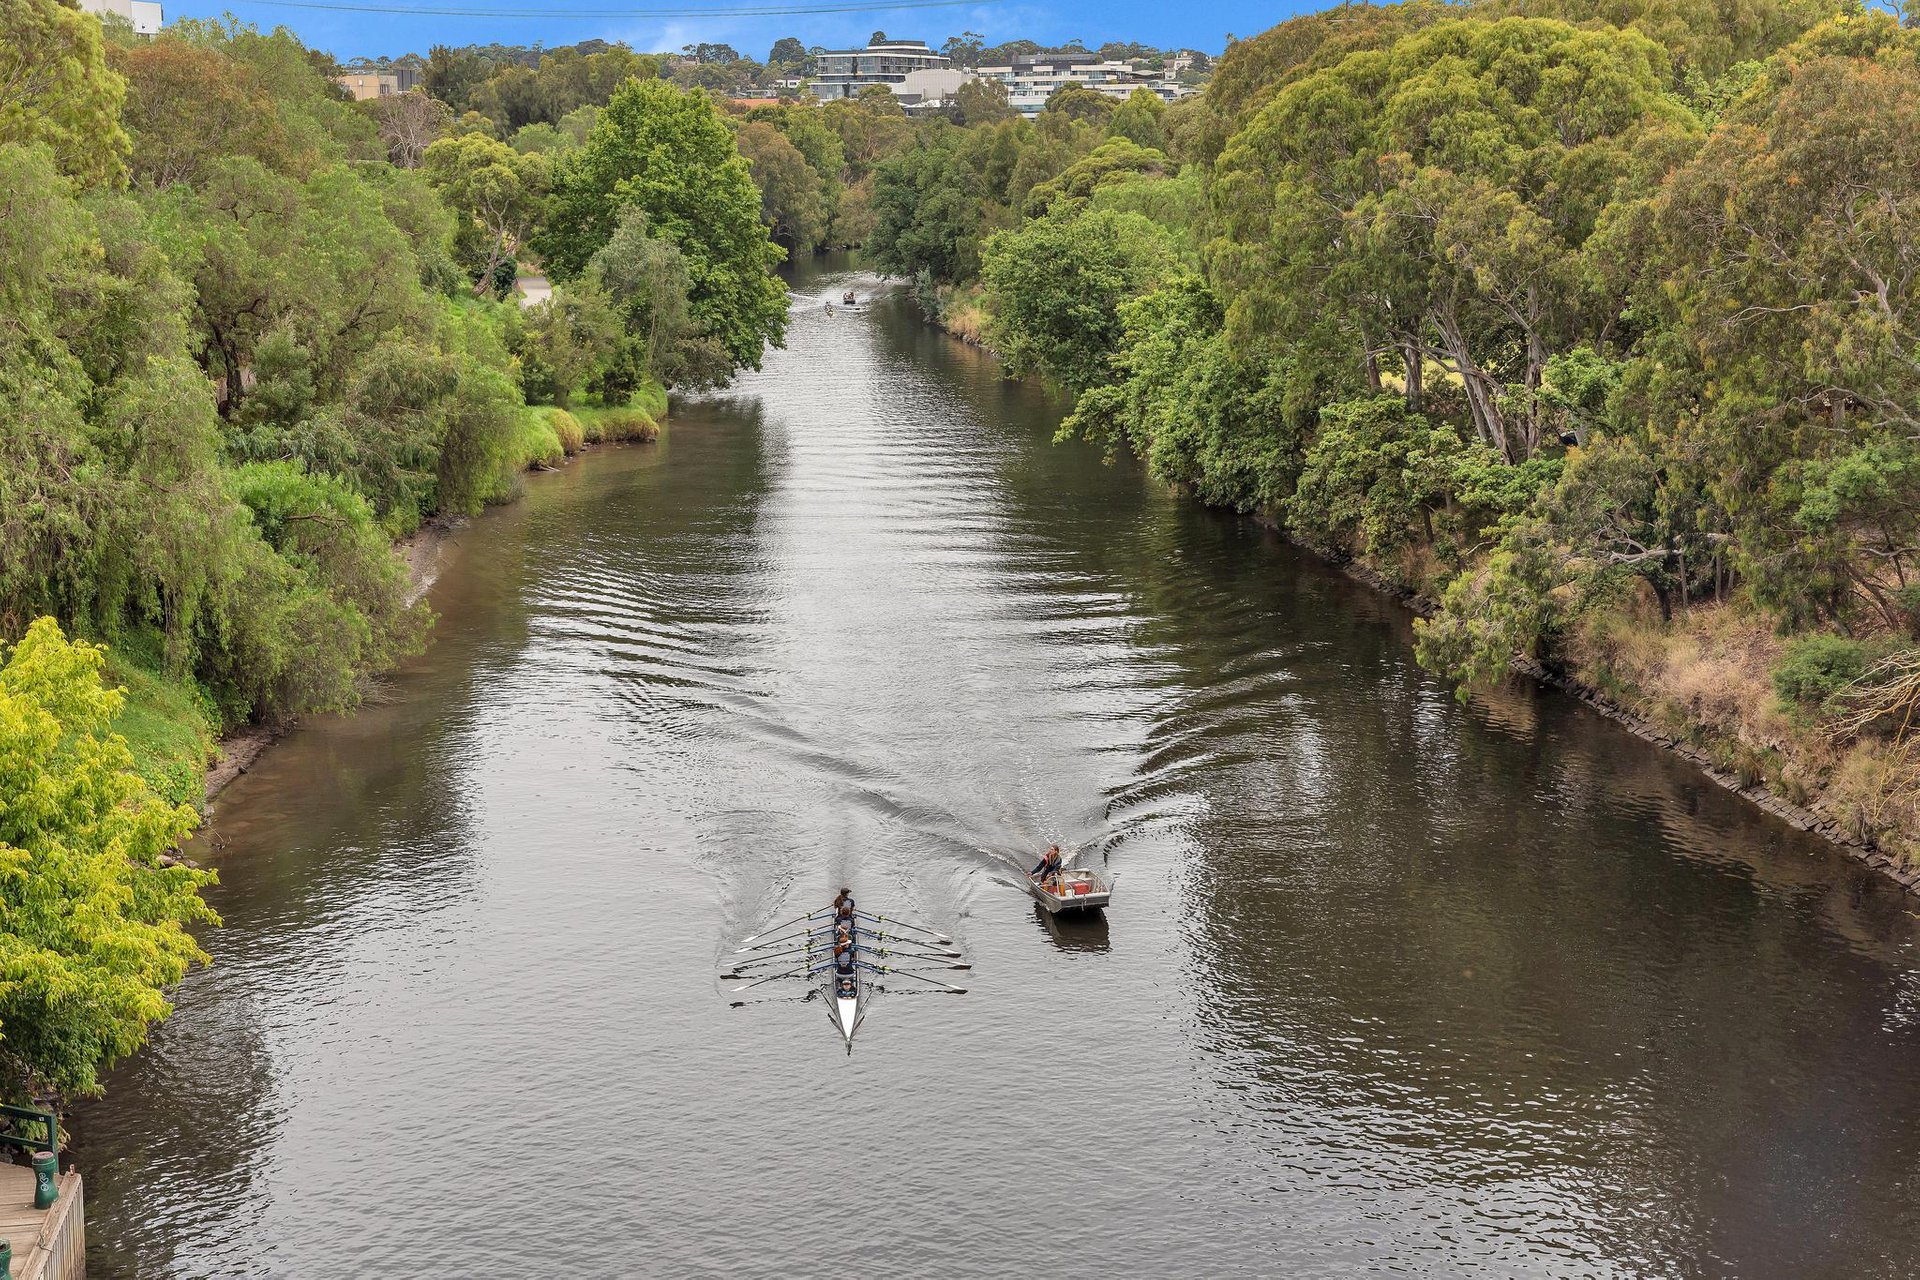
<point x="48" y="1244"/>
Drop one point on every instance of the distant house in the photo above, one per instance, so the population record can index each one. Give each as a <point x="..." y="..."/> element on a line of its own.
<point x="844" y="73"/>
<point x="145" y="15"/>
<point x="372" y="82"/>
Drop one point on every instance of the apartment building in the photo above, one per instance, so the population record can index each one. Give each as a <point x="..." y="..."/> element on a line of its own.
<point x="844" y="73"/>
<point x="371" y="82"/>
<point x="145" y="15"/>
<point x="1032" y="79"/>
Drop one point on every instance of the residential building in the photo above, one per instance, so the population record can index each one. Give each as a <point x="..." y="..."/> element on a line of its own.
<point x="844" y="73"/>
<point x="1032" y="79"/>
<point x="923" y="93"/>
<point x="371" y="82"/>
<point x="145" y="15"/>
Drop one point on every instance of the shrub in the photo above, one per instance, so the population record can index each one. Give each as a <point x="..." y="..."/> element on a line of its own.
<point x="1815" y="668"/>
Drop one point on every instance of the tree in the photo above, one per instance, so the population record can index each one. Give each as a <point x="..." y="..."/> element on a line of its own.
<point x="496" y="191"/>
<point x="1789" y="343"/>
<point x="669" y="155"/>
<point x="788" y="54"/>
<point x="928" y="210"/>
<point x="646" y="280"/>
<point x="963" y="50"/>
<point x="1435" y="205"/>
<point x="568" y="338"/>
<point x="790" y="191"/>
<point x="317" y="268"/>
<point x="56" y="88"/>
<point x="1078" y="102"/>
<point x="1055" y="287"/>
<point x="1115" y="161"/>
<point x="188" y="106"/>
<point x="1139" y="120"/>
<point x="453" y="74"/>
<point x="409" y="123"/>
<point x="979" y="102"/>
<point x="93" y="913"/>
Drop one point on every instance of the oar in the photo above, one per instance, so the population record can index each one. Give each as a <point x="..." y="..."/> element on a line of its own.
<point x="771" y="956"/>
<point x="919" y="955"/>
<point x="902" y="924"/>
<point x="790" y="973"/>
<point x="917" y="977"/>
<point x="768" y="940"/>
<point x="776" y="928"/>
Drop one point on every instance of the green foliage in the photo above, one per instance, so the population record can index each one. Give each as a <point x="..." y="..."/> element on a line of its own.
<point x="1117" y="162"/>
<point x="496" y="194"/>
<point x="669" y="156"/>
<point x="188" y="106"/>
<point x="1203" y="413"/>
<point x="1139" y="120"/>
<point x="1783" y="306"/>
<point x="1812" y="670"/>
<point x="792" y="198"/>
<point x="93" y="923"/>
<point x="929" y="210"/>
<point x="57" y="89"/>
<point x="340" y="576"/>
<point x="1055" y="287"/>
<point x="1433" y="204"/>
<point x="567" y="339"/>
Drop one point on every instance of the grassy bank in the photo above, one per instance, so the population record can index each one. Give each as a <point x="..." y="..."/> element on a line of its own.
<point x="172" y="724"/>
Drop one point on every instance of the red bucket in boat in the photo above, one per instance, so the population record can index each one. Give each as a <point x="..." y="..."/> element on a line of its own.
<point x="1081" y="886"/>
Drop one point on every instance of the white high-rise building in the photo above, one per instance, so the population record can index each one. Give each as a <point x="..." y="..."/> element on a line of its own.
<point x="145" y="15"/>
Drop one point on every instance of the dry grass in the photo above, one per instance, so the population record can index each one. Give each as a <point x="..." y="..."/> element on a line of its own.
<point x="1709" y="678"/>
<point x="1875" y="794"/>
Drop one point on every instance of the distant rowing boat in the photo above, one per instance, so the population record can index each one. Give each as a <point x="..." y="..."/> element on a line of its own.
<point x="804" y="950"/>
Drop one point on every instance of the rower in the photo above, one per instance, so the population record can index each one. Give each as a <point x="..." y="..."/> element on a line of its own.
<point x="1049" y="864"/>
<point x="843" y="954"/>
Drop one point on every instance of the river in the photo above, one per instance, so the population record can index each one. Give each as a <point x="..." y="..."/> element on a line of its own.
<point x="1389" y="985"/>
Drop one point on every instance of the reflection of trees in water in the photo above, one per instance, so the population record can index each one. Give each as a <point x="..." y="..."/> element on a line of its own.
<point x="351" y="826"/>
<point x="155" y="1182"/>
<point x="1546" y="954"/>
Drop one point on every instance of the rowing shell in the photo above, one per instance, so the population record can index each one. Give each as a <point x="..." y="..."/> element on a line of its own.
<point x="847" y="992"/>
<point x="803" y="948"/>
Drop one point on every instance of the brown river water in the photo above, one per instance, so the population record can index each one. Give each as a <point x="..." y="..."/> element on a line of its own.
<point x="1389" y="984"/>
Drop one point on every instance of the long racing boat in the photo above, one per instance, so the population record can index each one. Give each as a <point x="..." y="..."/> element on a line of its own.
<point x="844" y="955"/>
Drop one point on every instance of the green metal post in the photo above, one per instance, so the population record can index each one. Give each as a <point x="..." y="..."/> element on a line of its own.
<point x="45" y="1190"/>
<point x="6" y="1260"/>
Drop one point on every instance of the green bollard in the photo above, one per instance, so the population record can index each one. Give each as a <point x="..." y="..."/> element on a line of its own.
<point x="45" y="1191"/>
<point x="6" y="1260"/>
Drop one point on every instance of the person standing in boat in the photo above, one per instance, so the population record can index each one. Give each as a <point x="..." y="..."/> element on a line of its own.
<point x="1049" y="865"/>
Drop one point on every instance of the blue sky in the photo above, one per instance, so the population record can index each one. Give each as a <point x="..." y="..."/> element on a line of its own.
<point x="349" y="34"/>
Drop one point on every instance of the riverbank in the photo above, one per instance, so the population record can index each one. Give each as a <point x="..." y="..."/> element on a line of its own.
<point x="1700" y="685"/>
<point x="173" y="728"/>
<point x="1701" y="688"/>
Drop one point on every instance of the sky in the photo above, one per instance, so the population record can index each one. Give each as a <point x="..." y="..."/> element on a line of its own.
<point x="347" y="33"/>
